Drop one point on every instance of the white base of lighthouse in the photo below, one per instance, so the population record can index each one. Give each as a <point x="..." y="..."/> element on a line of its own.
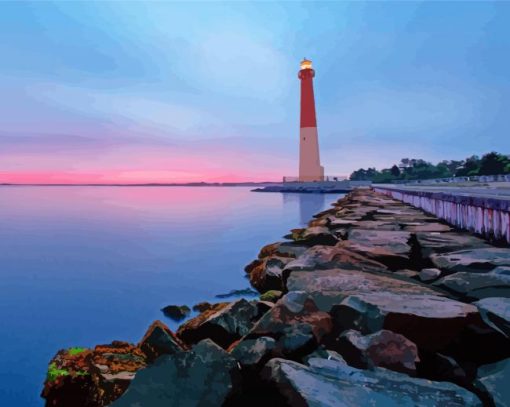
<point x="310" y="168"/>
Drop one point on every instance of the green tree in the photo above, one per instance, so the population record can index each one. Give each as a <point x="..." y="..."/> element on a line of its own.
<point x="471" y="167"/>
<point x="493" y="164"/>
<point x="395" y="171"/>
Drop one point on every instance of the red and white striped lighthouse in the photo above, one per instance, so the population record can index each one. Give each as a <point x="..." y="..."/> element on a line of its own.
<point x="310" y="168"/>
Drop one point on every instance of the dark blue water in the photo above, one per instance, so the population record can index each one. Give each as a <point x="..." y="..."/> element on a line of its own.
<point x="81" y="266"/>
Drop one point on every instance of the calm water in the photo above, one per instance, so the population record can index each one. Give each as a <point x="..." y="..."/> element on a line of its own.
<point x="86" y="265"/>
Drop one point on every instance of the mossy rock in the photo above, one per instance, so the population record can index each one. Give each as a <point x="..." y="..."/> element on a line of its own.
<point x="76" y="351"/>
<point x="271" y="296"/>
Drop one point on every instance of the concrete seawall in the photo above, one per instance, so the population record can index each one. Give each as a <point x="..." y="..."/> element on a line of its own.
<point x="489" y="217"/>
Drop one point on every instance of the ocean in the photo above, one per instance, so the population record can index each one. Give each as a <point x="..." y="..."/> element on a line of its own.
<point x="81" y="266"/>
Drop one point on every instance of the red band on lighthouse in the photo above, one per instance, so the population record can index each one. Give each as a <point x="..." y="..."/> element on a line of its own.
<point x="307" y="99"/>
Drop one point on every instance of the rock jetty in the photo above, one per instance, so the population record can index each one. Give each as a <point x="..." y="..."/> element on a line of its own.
<point x="374" y="303"/>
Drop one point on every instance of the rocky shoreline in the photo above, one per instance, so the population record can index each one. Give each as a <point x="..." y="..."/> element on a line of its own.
<point x="374" y="303"/>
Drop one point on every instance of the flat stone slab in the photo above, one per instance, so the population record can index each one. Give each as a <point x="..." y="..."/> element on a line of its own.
<point x="330" y="287"/>
<point x="477" y="285"/>
<point x="377" y="225"/>
<point x="473" y="260"/>
<point x="333" y="383"/>
<point x="381" y="254"/>
<point x="326" y="257"/>
<point x="394" y="241"/>
<point x="428" y="227"/>
<point x="447" y="242"/>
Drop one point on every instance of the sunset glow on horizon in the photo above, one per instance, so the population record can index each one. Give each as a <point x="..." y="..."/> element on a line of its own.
<point x="132" y="92"/>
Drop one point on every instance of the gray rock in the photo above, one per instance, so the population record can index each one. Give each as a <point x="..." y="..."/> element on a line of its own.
<point x="333" y="383"/>
<point x="200" y="377"/>
<point x="429" y="274"/>
<point x="296" y="341"/>
<point x="447" y="242"/>
<point x="496" y="378"/>
<point x="383" y="348"/>
<point x="477" y="285"/>
<point x="252" y="352"/>
<point x="224" y="326"/>
<point x="323" y="353"/>
<point x="478" y="260"/>
<point x="407" y="273"/>
<point x="496" y="313"/>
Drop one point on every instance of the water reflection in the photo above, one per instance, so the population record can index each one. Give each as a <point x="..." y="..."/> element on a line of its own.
<point x="309" y="204"/>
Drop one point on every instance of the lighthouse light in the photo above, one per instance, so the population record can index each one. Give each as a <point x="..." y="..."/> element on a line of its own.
<point x="306" y="64"/>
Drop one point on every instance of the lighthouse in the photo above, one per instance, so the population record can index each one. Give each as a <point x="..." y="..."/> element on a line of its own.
<point x="310" y="168"/>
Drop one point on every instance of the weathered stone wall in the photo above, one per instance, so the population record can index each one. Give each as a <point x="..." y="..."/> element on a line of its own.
<point x="487" y="216"/>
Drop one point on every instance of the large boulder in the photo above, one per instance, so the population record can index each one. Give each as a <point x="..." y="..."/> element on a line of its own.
<point x="382" y="348"/>
<point x="495" y="379"/>
<point x="431" y="321"/>
<point x="429" y="274"/>
<point x="333" y="383"/>
<point x="495" y="283"/>
<point x="330" y="287"/>
<point x="496" y="313"/>
<point x="203" y="376"/>
<point x="224" y="324"/>
<point x="91" y="377"/>
<point x="478" y="260"/>
<point x="327" y="257"/>
<point x="159" y="340"/>
<point x="289" y="315"/>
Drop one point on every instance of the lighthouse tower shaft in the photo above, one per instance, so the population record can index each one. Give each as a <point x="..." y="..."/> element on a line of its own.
<point x="310" y="168"/>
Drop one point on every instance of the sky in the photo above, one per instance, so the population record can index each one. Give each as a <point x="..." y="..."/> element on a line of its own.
<point x="130" y="92"/>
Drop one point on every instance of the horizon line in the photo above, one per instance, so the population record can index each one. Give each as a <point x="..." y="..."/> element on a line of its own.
<point x="155" y="184"/>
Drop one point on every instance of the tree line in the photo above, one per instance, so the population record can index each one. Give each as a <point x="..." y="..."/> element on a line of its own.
<point x="410" y="169"/>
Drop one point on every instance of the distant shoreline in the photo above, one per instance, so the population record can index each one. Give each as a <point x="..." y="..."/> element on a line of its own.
<point x="191" y="184"/>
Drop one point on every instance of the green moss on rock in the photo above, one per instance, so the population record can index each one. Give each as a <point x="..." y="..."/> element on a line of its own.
<point x="271" y="295"/>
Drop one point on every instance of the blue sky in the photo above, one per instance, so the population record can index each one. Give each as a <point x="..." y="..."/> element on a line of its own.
<point x="171" y="91"/>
